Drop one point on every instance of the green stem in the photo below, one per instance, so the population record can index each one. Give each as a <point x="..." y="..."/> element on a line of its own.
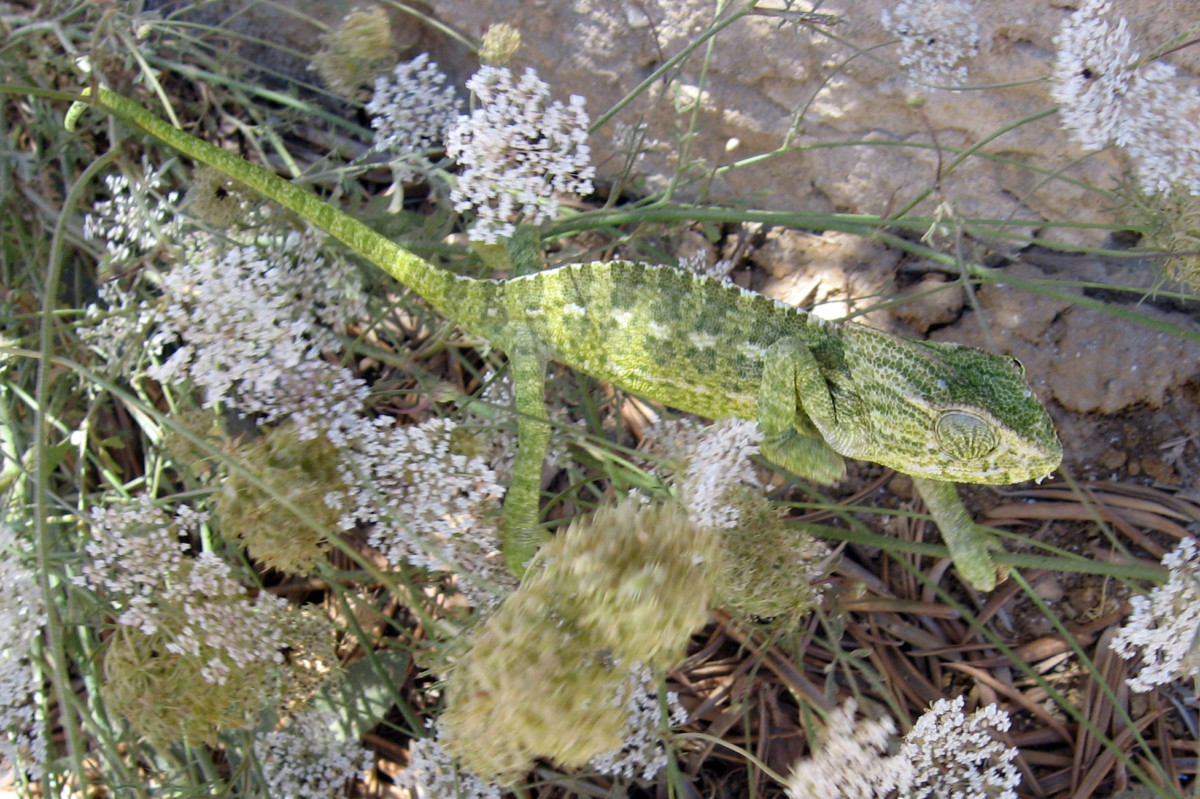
<point x="60" y="673"/>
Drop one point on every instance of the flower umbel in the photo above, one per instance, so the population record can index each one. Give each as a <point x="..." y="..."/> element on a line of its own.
<point x="500" y="43"/>
<point x="411" y="110"/>
<point x="309" y="758"/>
<point x="1162" y="627"/>
<point x="1110" y="95"/>
<point x="718" y="486"/>
<point x="22" y="616"/>
<point x="300" y="472"/>
<point x="192" y="654"/>
<point x="518" y="151"/>
<point x="953" y="754"/>
<point x="642" y="754"/>
<point x="547" y="674"/>
<point x="850" y="764"/>
<point x="945" y="754"/>
<point x="137" y="217"/>
<point x="718" y="463"/>
<point x="356" y="51"/>
<point x="433" y="774"/>
<point x="936" y="38"/>
<point x="429" y="505"/>
<point x="252" y="322"/>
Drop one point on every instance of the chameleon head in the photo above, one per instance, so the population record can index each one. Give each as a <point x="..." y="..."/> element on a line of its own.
<point x="941" y="411"/>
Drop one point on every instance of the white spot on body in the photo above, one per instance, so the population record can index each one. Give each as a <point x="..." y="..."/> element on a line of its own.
<point x="573" y="309"/>
<point x="537" y="275"/>
<point x="702" y="341"/>
<point x="753" y="351"/>
<point x="622" y="318"/>
<point x="658" y="330"/>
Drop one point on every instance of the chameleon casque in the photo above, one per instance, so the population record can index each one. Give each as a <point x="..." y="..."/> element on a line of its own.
<point x="943" y="413"/>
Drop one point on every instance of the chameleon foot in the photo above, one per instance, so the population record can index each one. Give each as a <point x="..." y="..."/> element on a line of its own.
<point x="970" y="544"/>
<point x="807" y="456"/>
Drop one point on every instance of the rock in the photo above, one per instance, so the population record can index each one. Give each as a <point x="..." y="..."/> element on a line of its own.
<point x="763" y="73"/>
<point x="770" y="81"/>
<point x="1113" y="458"/>
<point x="1161" y="471"/>
<point x="1094" y="370"/>
<point x="931" y="302"/>
<point x="834" y="274"/>
<point x="1073" y="353"/>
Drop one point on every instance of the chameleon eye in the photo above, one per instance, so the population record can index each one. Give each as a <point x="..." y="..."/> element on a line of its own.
<point x="965" y="435"/>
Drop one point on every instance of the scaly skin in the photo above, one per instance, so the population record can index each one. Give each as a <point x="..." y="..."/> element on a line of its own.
<point x="941" y="412"/>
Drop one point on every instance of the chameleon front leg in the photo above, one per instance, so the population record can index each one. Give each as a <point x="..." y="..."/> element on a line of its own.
<point x="522" y="532"/>
<point x="968" y="542"/>
<point x="791" y="389"/>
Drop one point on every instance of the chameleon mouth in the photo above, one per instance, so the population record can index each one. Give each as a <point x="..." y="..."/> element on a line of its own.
<point x="1022" y="469"/>
<point x="1003" y="466"/>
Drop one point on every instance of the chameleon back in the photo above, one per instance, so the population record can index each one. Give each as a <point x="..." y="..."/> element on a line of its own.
<point x="662" y="333"/>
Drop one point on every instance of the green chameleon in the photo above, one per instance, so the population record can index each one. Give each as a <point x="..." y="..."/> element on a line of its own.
<point x="819" y="391"/>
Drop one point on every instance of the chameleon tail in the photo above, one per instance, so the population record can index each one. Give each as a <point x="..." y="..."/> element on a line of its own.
<point x="436" y="285"/>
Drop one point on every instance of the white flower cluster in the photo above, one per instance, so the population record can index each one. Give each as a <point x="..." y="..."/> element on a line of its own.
<point x="850" y="763"/>
<point x="433" y="774"/>
<point x="22" y="616"/>
<point x="252" y="322"/>
<point x="953" y="754"/>
<point x="309" y="758"/>
<point x="411" y="111"/>
<point x="136" y="218"/>
<point x="134" y="546"/>
<point x="220" y="622"/>
<point x="600" y="27"/>
<point x="643" y="753"/>
<point x="936" y="38"/>
<point x="427" y="505"/>
<point x="719" y="461"/>
<point x="1109" y="96"/>
<point x="1162" y="628"/>
<point x="518" y="152"/>
<point x="136" y="559"/>
<point x="945" y="754"/>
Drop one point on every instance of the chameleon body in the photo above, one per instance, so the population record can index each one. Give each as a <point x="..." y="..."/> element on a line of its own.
<point x="819" y="390"/>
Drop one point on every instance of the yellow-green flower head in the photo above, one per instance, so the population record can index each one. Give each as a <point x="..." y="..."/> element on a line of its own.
<point x="543" y="677"/>
<point x="301" y="472"/>
<point x="634" y="579"/>
<point x="530" y="688"/>
<point x="770" y="570"/>
<point x="358" y="50"/>
<point x="500" y="43"/>
<point x="219" y="200"/>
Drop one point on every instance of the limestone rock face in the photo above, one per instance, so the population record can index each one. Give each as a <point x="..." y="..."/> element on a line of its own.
<point x="856" y="133"/>
<point x="837" y="81"/>
<point x="1071" y="352"/>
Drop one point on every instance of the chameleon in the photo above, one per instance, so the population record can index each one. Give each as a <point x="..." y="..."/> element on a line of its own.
<point x="819" y="391"/>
